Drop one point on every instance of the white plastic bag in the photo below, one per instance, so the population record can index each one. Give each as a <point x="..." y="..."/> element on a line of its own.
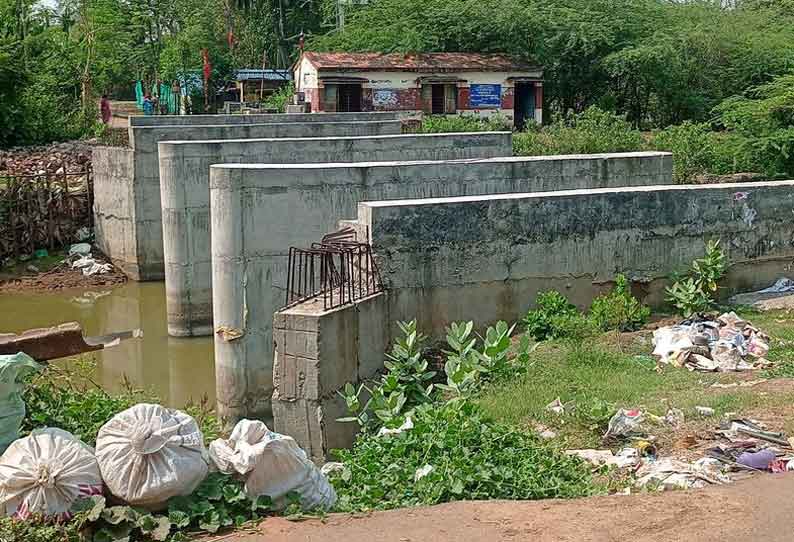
<point x="148" y="454"/>
<point x="45" y="473"/>
<point x="271" y="464"/>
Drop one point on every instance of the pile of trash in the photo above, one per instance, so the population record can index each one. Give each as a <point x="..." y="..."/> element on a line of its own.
<point x="146" y="455"/>
<point x="80" y="258"/>
<point x="727" y="343"/>
<point x="745" y="446"/>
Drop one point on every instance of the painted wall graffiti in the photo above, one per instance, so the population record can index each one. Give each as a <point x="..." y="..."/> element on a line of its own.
<point x="385" y="98"/>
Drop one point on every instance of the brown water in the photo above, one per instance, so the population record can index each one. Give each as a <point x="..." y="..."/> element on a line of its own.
<point x="176" y="370"/>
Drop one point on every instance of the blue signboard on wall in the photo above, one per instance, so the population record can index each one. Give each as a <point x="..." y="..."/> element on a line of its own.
<point x="485" y="95"/>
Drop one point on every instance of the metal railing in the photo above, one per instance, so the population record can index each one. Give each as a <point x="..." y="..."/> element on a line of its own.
<point x="339" y="270"/>
<point x="46" y="210"/>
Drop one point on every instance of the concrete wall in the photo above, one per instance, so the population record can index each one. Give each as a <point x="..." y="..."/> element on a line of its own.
<point x="318" y="352"/>
<point x="204" y="120"/>
<point x="486" y="258"/>
<point x="127" y="185"/>
<point x="184" y="186"/>
<point x="259" y="211"/>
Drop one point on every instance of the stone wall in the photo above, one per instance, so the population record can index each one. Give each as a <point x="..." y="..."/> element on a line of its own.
<point x="486" y="258"/>
<point x="259" y="211"/>
<point x="184" y="186"/>
<point x="135" y="197"/>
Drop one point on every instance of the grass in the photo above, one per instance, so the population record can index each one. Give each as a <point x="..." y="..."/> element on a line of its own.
<point x="614" y="371"/>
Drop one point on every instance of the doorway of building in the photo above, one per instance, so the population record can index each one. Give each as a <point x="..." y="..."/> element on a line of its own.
<point x="349" y="98"/>
<point x="437" y="107"/>
<point x="524" y="105"/>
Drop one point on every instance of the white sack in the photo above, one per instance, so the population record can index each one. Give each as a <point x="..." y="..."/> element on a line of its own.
<point x="271" y="464"/>
<point x="45" y="473"/>
<point x="148" y="454"/>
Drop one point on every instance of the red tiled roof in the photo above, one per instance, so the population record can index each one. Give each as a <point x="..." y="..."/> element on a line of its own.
<point x="422" y="62"/>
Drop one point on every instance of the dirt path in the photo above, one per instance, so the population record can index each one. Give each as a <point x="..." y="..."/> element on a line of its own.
<point x="761" y="508"/>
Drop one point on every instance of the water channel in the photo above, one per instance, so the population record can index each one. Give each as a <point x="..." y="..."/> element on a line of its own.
<point x="176" y="370"/>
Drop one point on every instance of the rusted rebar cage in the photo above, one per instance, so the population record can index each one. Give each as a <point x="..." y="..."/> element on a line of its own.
<point x="45" y="210"/>
<point x="338" y="269"/>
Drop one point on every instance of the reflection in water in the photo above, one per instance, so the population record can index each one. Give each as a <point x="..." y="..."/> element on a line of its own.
<point x="177" y="370"/>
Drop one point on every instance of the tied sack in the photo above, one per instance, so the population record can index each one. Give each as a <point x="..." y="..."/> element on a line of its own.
<point x="148" y="454"/>
<point x="45" y="473"/>
<point x="271" y="464"/>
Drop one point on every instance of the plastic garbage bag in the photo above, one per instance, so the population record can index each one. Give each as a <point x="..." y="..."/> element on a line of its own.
<point x="669" y="342"/>
<point x="45" y="473"/>
<point x="81" y="249"/>
<point x="148" y="454"/>
<point x="624" y="423"/>
<point x="271" y="464"/>
<point x="12" y="407"/>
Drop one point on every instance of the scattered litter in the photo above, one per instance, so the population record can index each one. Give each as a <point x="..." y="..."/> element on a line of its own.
<point x="421" y="472"/>
<point x="81" y="249"/>
<point x="148" y="454"/>
<point x="725" y="344"/>
<point x="674" y="417"/>
<point x="706" y="412"/>
<point x="90" y="266"/>
<point x="737" y="430"/>
<point x="757" y="460"/>
<point x="45" y="473"/>
<point x="783" y="284"/>
<point x="556" y="407"/>
<point x="12" y="408"/>
<point x="32" y="268"/>
<point x="272" y="464"/>
<point x="406" y="425"/>
<point x="668" y="473"/>
<point x="544" y="432"/>
<point x="624" y="423"/>
<point x="82" y="233"/>
<point x="627" y="457"/>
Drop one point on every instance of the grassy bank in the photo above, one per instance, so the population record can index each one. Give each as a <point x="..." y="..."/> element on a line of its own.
<point x="616" y="370"/>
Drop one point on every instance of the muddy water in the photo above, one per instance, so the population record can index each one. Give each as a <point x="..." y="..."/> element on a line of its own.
<point x="176" y="370"/>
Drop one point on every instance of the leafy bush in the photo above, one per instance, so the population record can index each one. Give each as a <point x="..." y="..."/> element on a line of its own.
<point x="691" y="145"/>
<point x="36" y="530"/>
<point x="406" y="384"/>
<point x="592" y="131"/>
<point x="696" y="291"/>
<point x="553" y="317"/>
<point x="219" y="502"/>
<point x="279" y="99"/>
<point x="619" y="309"/>
<point x="468" y="456"/>
<point x="435" y="124"/>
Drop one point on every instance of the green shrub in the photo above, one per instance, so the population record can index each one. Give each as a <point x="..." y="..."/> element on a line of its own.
<point x="279" y="99"/>
<point x="696" y="291"/>
<point x="471" y="457"/>
<point x="692" y="148"/>
<point x="555" y="317"/>
<point x="435" y="124"/>
<point x="619" y="309"/>
<point x="592" y="131"/>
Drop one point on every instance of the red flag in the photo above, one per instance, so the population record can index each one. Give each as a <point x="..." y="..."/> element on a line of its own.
<point x="205" y="55"/>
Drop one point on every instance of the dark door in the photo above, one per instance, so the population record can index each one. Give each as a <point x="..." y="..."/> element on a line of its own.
<point x="524" y="108"/>
<point x="349" y="98"/>
<point x="438" y="98"/>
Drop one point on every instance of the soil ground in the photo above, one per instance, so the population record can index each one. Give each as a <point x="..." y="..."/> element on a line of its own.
<point x="54" y="275"/>
<point x="761" y="508"/>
